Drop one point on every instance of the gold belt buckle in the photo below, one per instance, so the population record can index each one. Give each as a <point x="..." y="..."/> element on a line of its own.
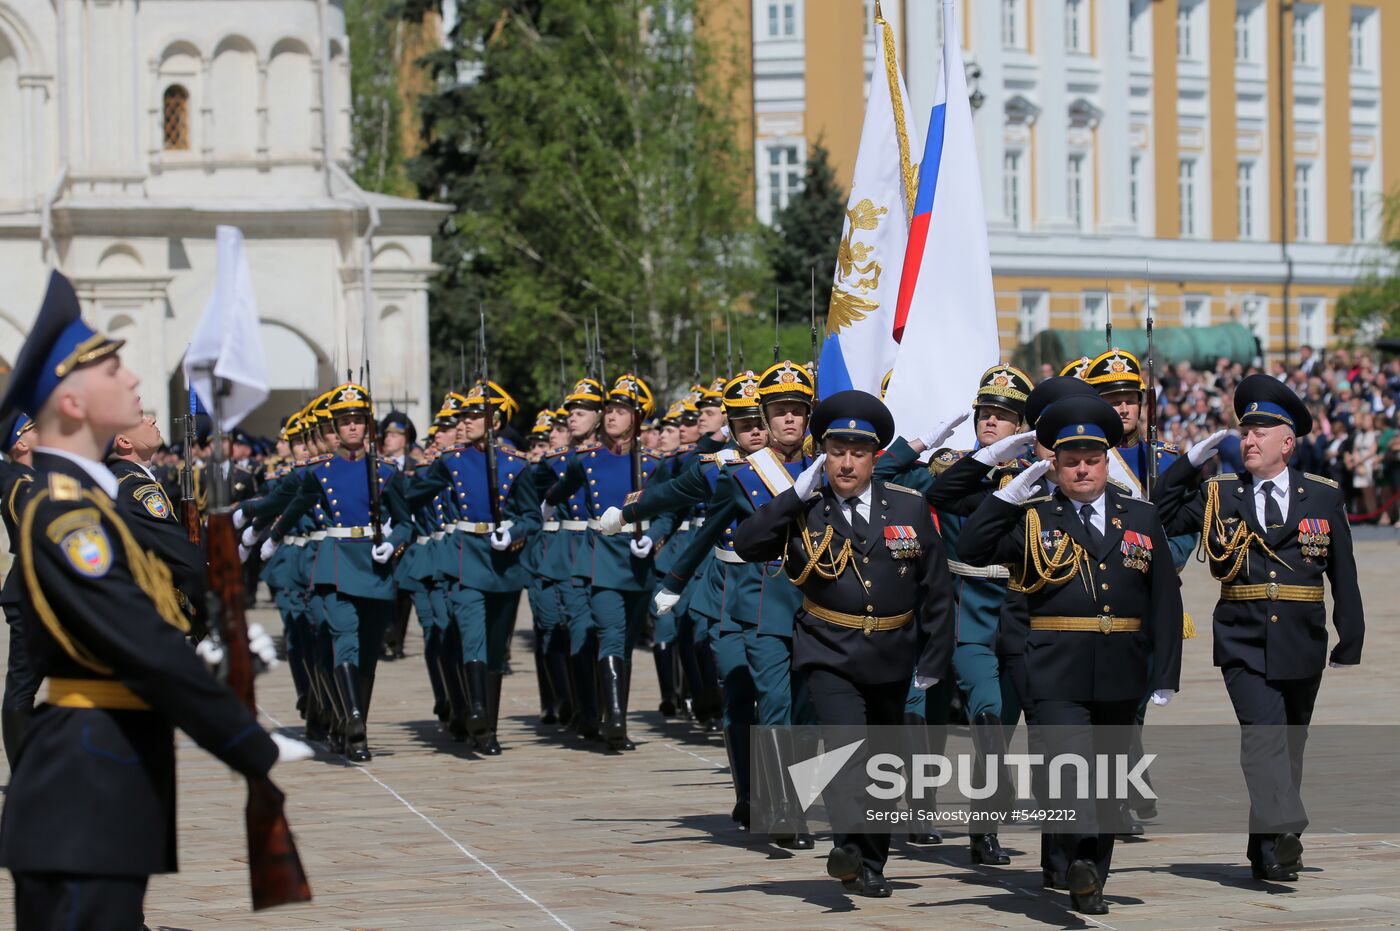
<point x="356" y="532"/>
<point x="1105" y="623"/>
<point x="869" y="624"/>
<point x="1271" y="590"/>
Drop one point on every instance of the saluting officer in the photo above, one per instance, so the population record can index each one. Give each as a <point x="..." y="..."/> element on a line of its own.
<point x="1271" y="536"/>
<point x="867" y="622"/>
<point x="90" y="811"/>
<point x="1101" y="593"/>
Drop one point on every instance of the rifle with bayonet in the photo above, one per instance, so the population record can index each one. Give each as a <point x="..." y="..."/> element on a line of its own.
<point x="493" y="480"/>
<point x="637" y="414"/>
<point x="376" y="513"/>
<point x="189" y="503"/>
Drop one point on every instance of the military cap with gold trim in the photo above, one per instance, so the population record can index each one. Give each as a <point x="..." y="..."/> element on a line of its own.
<point x="501" y="400"/>
<point x="1076" y="368"/>
<point x="1004" y="386"/>
<point x="1115" y="370"/>
<point x="561" y="416"/>
<point x="399" y="422"/>
<point x="1079" y="421"/>
<point x="786" y="381"/>
<point x="350" y="398"/>
<point x="741" y="395"/>
<point x="631" y="390"/>
<point x="59" y="343"/>
<point x="587" y="392"/>
<point x="1261" y="400"/>
<point x="705" y="396"/>
<point x="544" y="422"/>
<point x="321" y="408"/>
<point x="453" y="404"/>
<point x="672" y="417"/>
<point x="16" y="425"/>
<point x="853" y="415"/>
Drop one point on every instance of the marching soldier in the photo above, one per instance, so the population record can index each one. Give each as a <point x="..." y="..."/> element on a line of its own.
<point x="16" y="482"/>
<point x="618" y="570"/>
<point x="352" y="571"/>
<point x="1101" y="595"/>
<point x="397" y="436"/>
<point x="1270" y="537"/>
<point x="990" y="702"/>
<point x="89" y="814"/>
<point x="867" y="624"/>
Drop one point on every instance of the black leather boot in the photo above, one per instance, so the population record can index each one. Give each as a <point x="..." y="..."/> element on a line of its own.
<point x="14" y="724"/>
<point x="432" y="648"/>
<point x="585" y="695"/>
<point x="556" y="665"/>
<point x="626" y="744"/>
<point x="737" y="748"/>
<point x="709" y="696"/>
<point x="610" y="675"/>
<point x="923" y="832"/>
<point x="477" y="721"/>
<point x="549" y="698"/>
<point x="989" y="738"/>
<point x="487" y="743"/>
<point x="787" y="829"/>
<point x="347" y="683"/>
<point x="333" y="710"/>
<point x="664" y="655"/>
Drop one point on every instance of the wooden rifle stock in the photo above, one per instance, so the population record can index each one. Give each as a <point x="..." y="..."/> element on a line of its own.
<point x="274" y="867"/>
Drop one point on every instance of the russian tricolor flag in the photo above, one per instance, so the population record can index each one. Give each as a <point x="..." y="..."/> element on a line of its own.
<point x="945" y="321"/>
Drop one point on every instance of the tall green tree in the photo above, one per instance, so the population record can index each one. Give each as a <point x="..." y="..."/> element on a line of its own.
<point x="1371" y="309"/>
<point x="805" y="237"/>
<point x="376" y="32"/>
<point x="592" y="156"/>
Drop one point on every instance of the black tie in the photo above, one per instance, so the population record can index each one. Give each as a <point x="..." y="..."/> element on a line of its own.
<point x="1086" y="514"/>
<point x="1273" y="517"/>
<point x="859" y="524"/>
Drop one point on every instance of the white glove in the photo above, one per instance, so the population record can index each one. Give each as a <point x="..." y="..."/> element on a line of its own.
<point x="611" y="522"/>
<point x="211" y="651"/>
<point x="243" y="553"/>
<point x="641" y="547"/>
<point x="1203" y="450"/>
<point x="249" y="535"/>
<point x="290" y="750"/>
<point x="239" y="521"/>
<point x="920" y="682"/>
<point x="811" y="478"/>
<point x="382" y="551"/>
<point x="1005" y="449"/>
<point x="500" y="539"/>
<point x="1162" y="696"/>
<point x="663" y="601"/>
<point x="1020" y="489"/>
<point x="261" y="645"/>
<point x="268" y="548"/>
<point x="941" y="431"/>
<point x="387" y="527"/>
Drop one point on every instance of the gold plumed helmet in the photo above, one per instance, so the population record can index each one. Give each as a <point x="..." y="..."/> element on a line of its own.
<point x="350" y="398"/>
<point x="786" y="381"/>
<point x="500" y="400"/>
<point x="544" y="422"/>
<point x="587" y="392"/>
<point x="451" y="410"/>
<point x="1115" y="370"/>
<point x="1075" y="368"/>
<point x="631" y="390"/>
<point x="741" y="395"/>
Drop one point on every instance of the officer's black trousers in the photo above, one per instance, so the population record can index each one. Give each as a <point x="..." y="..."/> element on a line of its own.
<point x="1052" y="855"/>
<point x="53" y="901"/>
<point x="837" y="700"/>
<point x="21" y="681"/>
<point x="1271" y="754"/>
<point x="1084" y="728"/>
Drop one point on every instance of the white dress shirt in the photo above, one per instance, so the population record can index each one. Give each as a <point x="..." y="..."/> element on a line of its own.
<point x="862" y="506"/>
<point x="1099" y="504"/>
<point x="1280" y="495"/>
<point x="98" y="472"/>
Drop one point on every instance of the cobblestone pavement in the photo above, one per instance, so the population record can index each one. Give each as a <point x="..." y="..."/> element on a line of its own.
<point x="555" y="833"/>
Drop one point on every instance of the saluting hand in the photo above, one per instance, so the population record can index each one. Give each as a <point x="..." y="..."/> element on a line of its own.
<point x="937" y="436"/>
<point x="1021" y="488"/>
<point x="810" y="480"/>
<point x="1201" y="451"/>
<point x="1004" y="449"/>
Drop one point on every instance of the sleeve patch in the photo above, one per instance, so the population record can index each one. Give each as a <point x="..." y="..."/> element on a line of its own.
<point x="87" y="549"/>
<point x="152" y="498"/>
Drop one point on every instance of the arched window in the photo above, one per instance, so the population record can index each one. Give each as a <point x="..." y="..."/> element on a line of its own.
<point x="177" y="118"/>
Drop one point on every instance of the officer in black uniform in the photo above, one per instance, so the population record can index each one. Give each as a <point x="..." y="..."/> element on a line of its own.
<point x="90" y="811"/>
<point x="16" y="482"/>
<point x="868" y="623"/>
<point x="1095" y="568"/>
<point x="1270" y="537"/>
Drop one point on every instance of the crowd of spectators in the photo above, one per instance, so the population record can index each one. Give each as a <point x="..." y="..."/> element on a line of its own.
<point x="1353" y="399"/>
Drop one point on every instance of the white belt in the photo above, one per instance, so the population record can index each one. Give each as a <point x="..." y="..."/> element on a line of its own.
<point x="685" y="525"/>
<point x="626" y="528"/>
<point x="316" y="536"/>
<point x="573" y="525"/>
<point x="350" y="533"/>
<point x="978" y="572"/>
<point x="550" y="526"/>
<point x="480" y="528"/>
<point x="422" y="540"/>
<point x="696" y="522"/>
<point x="729" y="556"/>
<point x="296" y="541"/>
<point x="439" y="534"/>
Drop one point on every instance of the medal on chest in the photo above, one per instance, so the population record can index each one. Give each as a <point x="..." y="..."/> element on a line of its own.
<point x="1137" y="550"/>
<point x="902" y="541"/>
<point x="1314" y="536"/>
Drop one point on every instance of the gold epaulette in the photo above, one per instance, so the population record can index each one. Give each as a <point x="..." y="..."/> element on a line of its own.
<point x="64" y="487"/>
<point x="908" y="491"/>
<point x="943" y="459"/>
<point x="1319" y="478"/>
<point x="1223" y="477"/>
<point x="1037" y="499"/>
